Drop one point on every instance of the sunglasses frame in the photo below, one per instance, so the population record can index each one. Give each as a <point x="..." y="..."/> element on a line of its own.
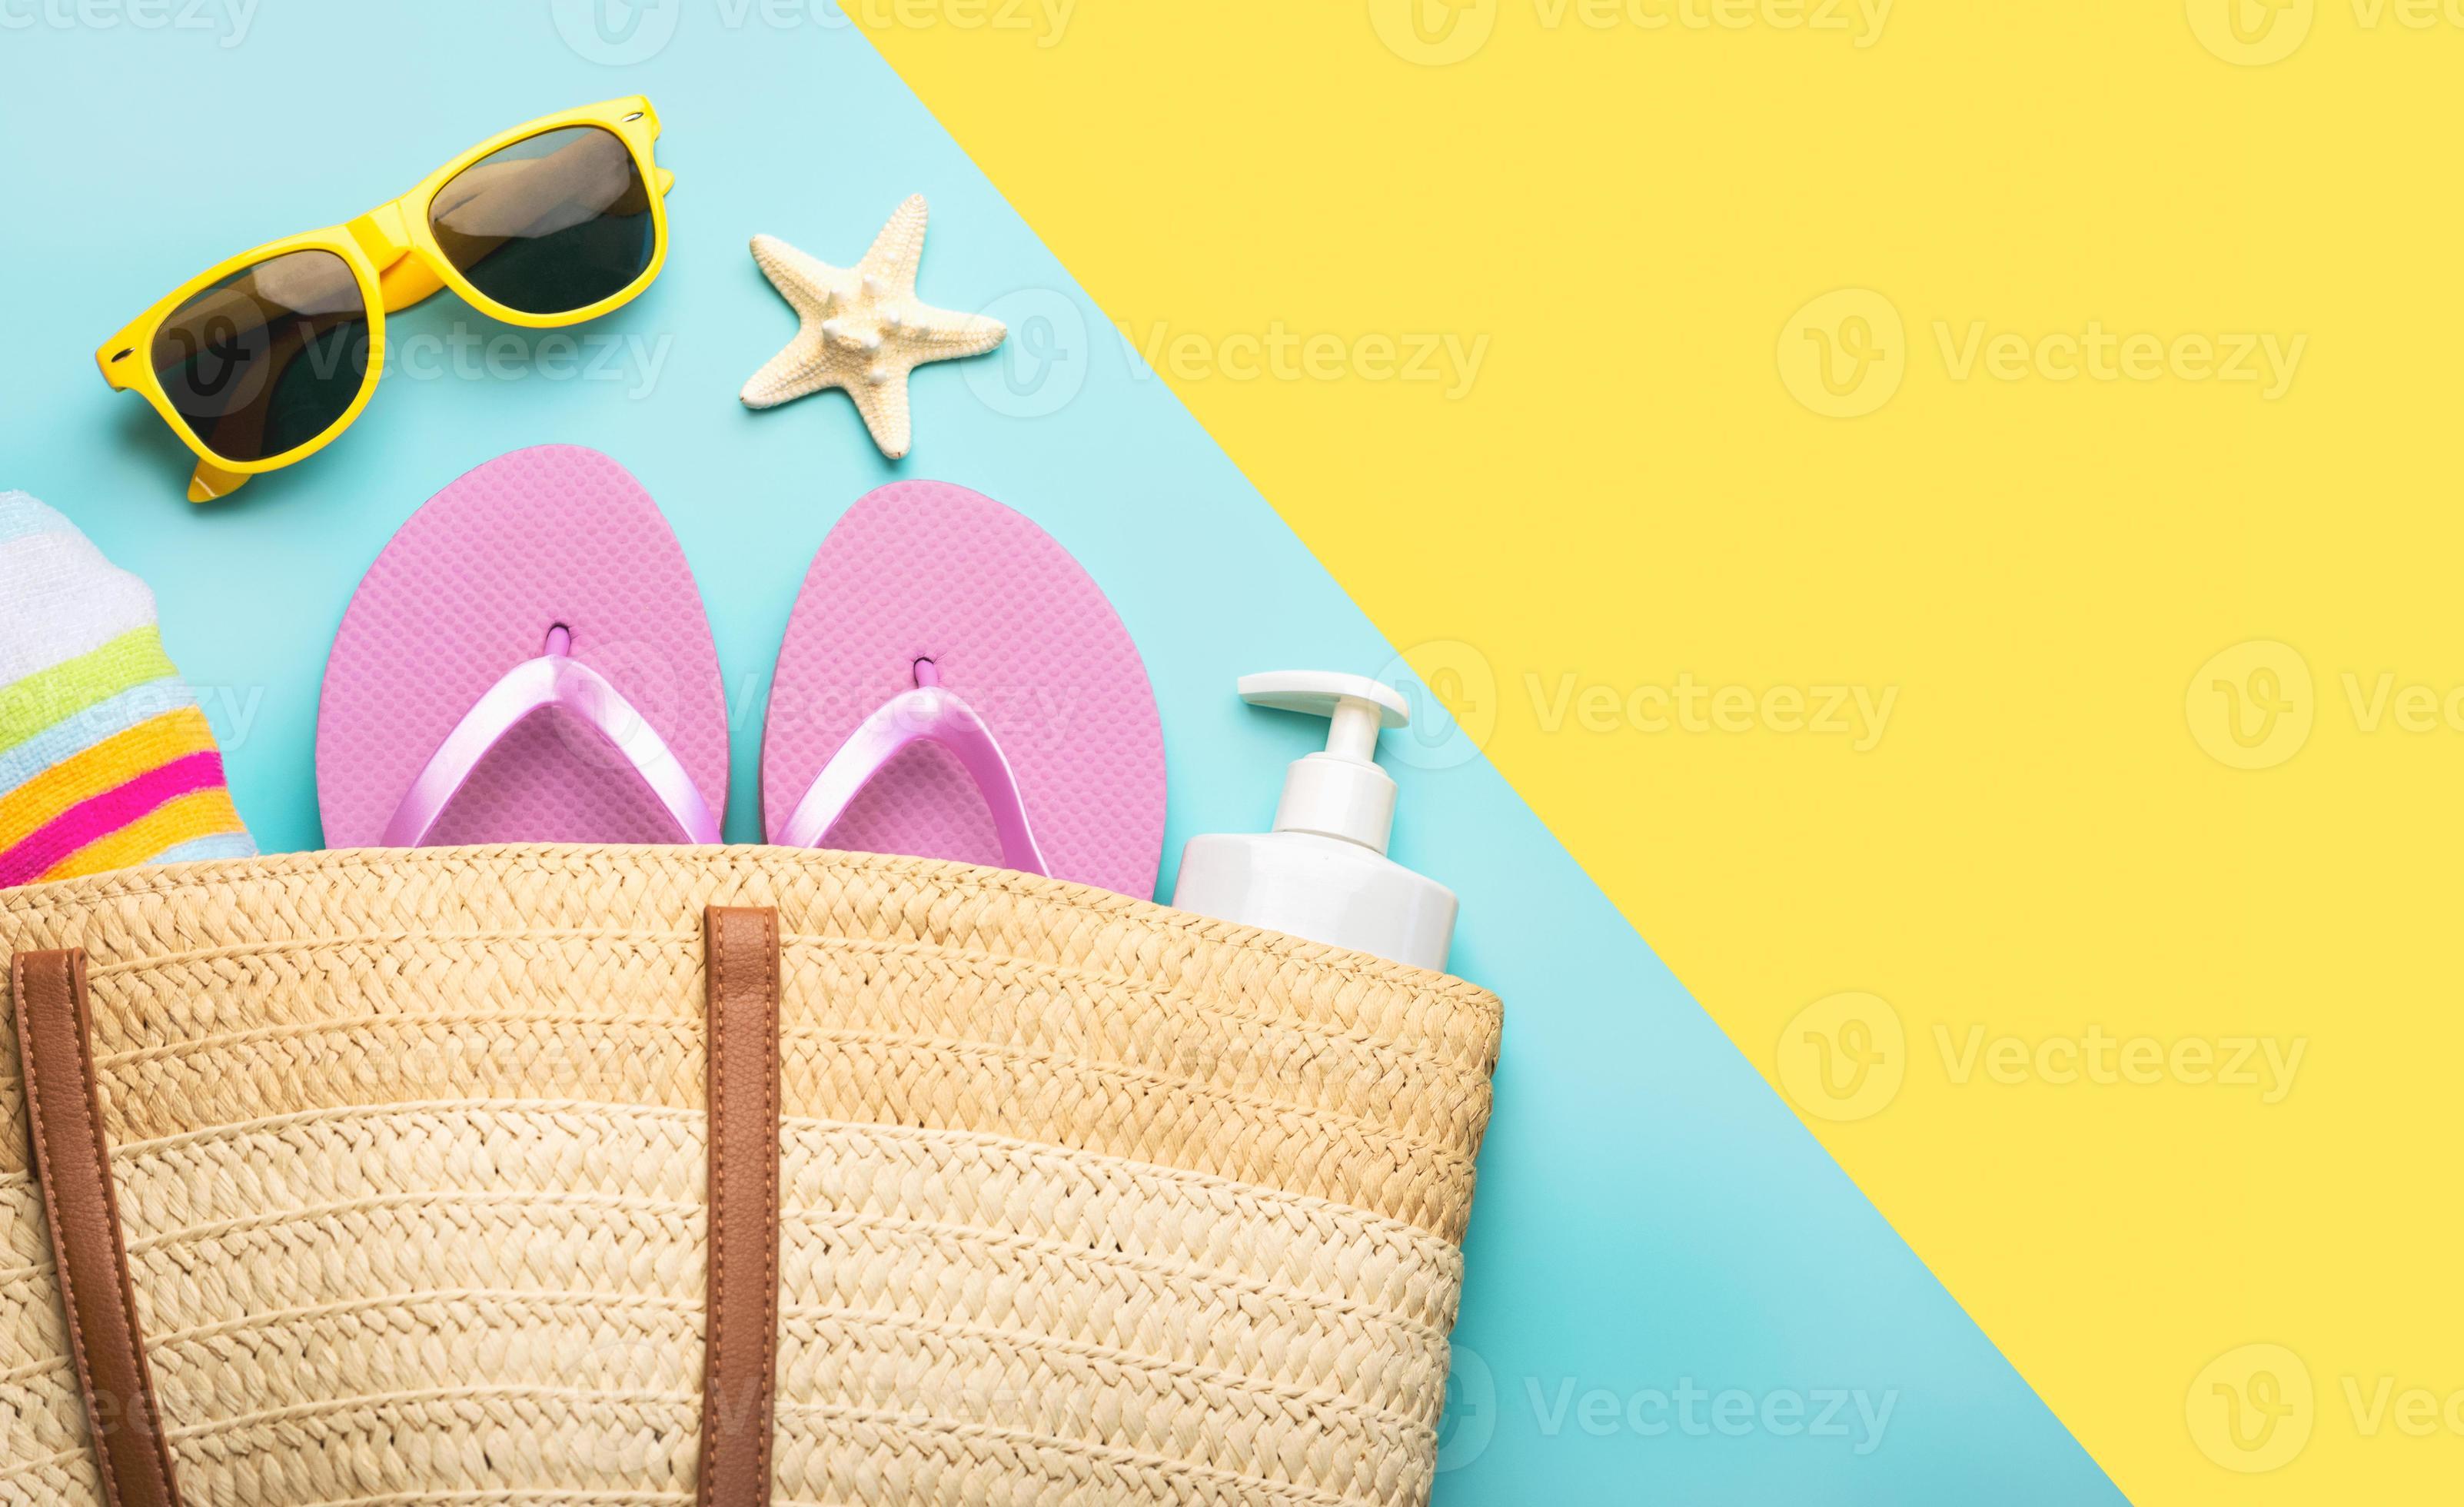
<point x="394" y="258"/>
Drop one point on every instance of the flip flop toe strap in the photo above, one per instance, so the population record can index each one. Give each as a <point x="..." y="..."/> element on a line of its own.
<point x="928" y="713"/>
<point x="553" y="680"/>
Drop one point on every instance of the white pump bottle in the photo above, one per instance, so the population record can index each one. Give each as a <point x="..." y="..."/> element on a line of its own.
<point x="1323" y="872"/>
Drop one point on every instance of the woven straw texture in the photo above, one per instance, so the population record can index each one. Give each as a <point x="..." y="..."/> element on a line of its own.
<point x="1083" y="1198"/>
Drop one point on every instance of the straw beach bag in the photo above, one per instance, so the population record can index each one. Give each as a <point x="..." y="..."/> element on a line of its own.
<point x="612" y="1176"/>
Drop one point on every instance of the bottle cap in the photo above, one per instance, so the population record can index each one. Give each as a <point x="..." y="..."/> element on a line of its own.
<point x="1340" y="792"/>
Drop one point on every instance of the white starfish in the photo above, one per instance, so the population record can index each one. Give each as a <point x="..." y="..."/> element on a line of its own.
<point x="863" y="328"/>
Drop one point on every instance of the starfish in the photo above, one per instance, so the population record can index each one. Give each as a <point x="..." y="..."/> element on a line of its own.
<point x="863" y="328"/>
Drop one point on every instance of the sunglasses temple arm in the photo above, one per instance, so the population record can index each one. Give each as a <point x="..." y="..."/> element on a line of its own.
<point x="209" y="482"/>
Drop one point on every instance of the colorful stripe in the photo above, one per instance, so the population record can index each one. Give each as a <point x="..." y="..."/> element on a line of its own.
<point x="123" y="806"/>
<point x="80" y="731"/>
<point x="149" y="746"/>
<point x="52" y="695"/>
<point x="105" y="756"/>
<point x="174" y="824"/>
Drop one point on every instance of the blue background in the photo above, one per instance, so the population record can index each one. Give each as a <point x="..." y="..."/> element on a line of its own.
<point x="1650" y="1214"/>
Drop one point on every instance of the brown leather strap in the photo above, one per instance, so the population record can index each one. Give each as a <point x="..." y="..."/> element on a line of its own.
<point x="740" y="1343"/>
<point x="83" y="1213"/>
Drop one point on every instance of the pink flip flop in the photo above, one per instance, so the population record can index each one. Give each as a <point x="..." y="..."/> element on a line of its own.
<point x="528" y="661"/>
<point x="952" y="685"/>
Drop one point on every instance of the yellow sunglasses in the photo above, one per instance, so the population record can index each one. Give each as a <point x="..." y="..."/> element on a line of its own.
<point x="260" y="359"/>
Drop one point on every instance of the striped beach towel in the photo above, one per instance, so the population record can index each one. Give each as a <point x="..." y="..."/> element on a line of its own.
<point x="105" y="758"/>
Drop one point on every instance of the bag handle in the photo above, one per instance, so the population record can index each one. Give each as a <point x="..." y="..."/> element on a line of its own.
<point x="74" y="1167"/>
<point x="740" y="1330"/>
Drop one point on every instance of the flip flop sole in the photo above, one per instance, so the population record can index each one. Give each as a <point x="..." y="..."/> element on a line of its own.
<point x="926" y="570"/>
<point x="469" y="588"/>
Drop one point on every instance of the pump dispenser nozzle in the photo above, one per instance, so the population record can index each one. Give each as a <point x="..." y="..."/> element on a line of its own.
<point x="1340" y="792"/>
<point x="1323" y="872"/>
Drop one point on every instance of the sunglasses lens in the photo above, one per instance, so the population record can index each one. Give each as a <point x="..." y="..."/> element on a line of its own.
<point x="552" y="223"/>
<point x="269" y="358"/>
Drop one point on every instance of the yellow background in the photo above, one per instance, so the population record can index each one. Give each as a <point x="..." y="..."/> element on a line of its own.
<point x="1627" y="493"/>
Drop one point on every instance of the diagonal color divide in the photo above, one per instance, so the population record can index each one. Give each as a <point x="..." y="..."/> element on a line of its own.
<point x="1506" y="338"/>
<point x="1944" y="511"/>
